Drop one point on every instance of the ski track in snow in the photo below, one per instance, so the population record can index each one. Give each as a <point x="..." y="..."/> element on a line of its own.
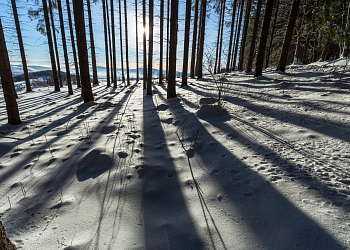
<point x="271" y="169"/>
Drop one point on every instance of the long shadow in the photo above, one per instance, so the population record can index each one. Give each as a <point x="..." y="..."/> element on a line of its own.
<point x="168" y="224"/>
<point x="271" y="217"/>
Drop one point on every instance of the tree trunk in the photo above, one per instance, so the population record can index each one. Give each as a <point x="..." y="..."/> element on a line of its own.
<point x="49" y="40"/>
<point x="222" y="31"/>
<point x="150" y="48"/>
<point x="306" y="47"/>
<point x="186" y="43"/>
<point x="106" y="40"/>
<point x="255" y="33"/>
<point x="238" y="36"/>
<point x="126" y="44"/>
<point x="5" y="243"/>
<point x="63" y="35"/>
<point x="218" y="39"/>
<point x="194" y="39"/>
<point x="231" y="37"/>
<point x="55" y="43"/>
<point x="167" y="44"/>
<point x="144" y="77"/>
<point x="199" y="37"/>
<point x="92" y="44"/>
<point x="114" y="50"/>
<point x="137" y="44"/>
<point x="8" y="86"/>
<point x="288" y="36"/>
<point x="235" y="36"/>
<point x="244" y="35"/>
<point x="263" y="38"/>
<point x="161" y="42"/>
<point x="77" y="75"/>
<point x="78" y="9"/>
<point x="171" y="92"/>
<point x="121" y="41"/>
<point x="271" y="37"/>
<point x="110" y="43"/>
<point x="201" y="40"/>
<point x="21" y="47"/>
<point x="297" y="47"/>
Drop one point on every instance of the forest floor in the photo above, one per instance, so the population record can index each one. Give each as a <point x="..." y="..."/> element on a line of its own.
<point x="267" y="168"/>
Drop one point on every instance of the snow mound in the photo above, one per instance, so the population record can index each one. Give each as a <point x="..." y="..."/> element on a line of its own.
<point x="211" y="111"/>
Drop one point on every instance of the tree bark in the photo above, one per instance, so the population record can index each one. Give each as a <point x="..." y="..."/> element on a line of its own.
<point x="167" y="43"/>
<point x="21" y="47"/>
<point x="126" y="44"/>
<point x="137" y="44"/>
<point x="171" y="92"/>
<point x="306" y="47"/>
<point x="238" y="35"/>
<point x="5" y="243"/>
<point x="150" y="48"/>
<point x="254" y="35"/>
<point x="63" y="35"/>
<point x="110" y="43"/>
<point x="161" y="42"/>
<point x="77" y="75"/>
<point x="186" y="43"/>
<point x="201" y="40"/>
<point x="231" y="36"/>
<point x="244" y="35"/>
<point x="49" y="40"/>
<point x="121" y="42"/>
<point x="144" y="77"/>
<point x="92" y="44"/>
<point x="114" y="49"/>
<point x="194" y="39"/>
<point x="288" y="36"/>
<point x="271" y="37"/>
<point x="8" y="85"/>
<point x="263" y="38"/>
<point x="222" y="31"/>
<point x="235" y="37"/>
<point x="78" y="8"/>
<point x="106" y="40"/>
<point x="218" y="39"/>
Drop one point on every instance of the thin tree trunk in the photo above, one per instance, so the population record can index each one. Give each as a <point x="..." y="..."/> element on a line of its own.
<point x="144" y="77"/>
<point x="77" y="75"/>
<point x="114" y="49"/>
<point x="55" y="43"/>
<point x="92" y="44"/>
<point x="137" y="45"/>
<point x="78" y="7"/>
<point x="271" y="37"/>
<point x="297" y="47"/>
<point x="201" y="41"/>
<point x="186" y="43"/>
<point x="238" y="36"/>
<point x="194" y="39"/>
<point x="314" y="47"/>
<point x="167" y="44"/>
<point x="171" y="92"/>
<point x="110" y="43"/>
<point x="161" y="42"/>
<point x="150" y="49"/>
<point x="244" y="35"/>
<point x="199" y="37"/>
<point x="106" y="40"/>
<point x="288" y="36"/>
<point x="7" y="82"/>
<point x="121" y="41"/>
<point x="126" y="44"/>
<point x="21" y="47"/>
<point x="231" y="37"/>
<point x="218" y="39"/>
<point x="263" y="38"/>
<point x="222" y="31"/>
<point x="235" y="36"/>
<point x="306" y="47"/>
<point x="63" y="35"/>
<point x="49" y="40"/>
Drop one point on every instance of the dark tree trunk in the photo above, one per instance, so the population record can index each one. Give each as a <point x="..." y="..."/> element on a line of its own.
<point x="49" y="40"/>
<point x="121" y="41"/>
<point x="106" y="40"/>
<point x="126" y="44"/>
<point x="21" y="47"/>
<point x="272" y="34"/>
<point x="186" y="43"/>
<point x="137" y="45"/>
<point x="238" y="36"/>
<point x="167" y="44"/>
<point x="5" y="243"/>
<point x="218" y="39"/>
<point x="235" y="36"/>
<point x="161" y="42"/>
<point x="222" y="31"/>
<point x="114" y="50"/>
<point x="150" y="48"/>
<point x="306" y="48"/>
<point x="77" y="75"/>
<point x="201" y="40"/>
<point x="110" y="43"/>
<point x="92" y="44"/>
<point x="194" y="39"/>
<point x="199" y="37"/>
<point x="255" y="33"/>
<point x="325" y="49"/>
<point x="171" y="92"/>
<point x="63" y="35"/>
<point x="8" y="86"/>
<point x="244" y="35"/>
<point x="288" y="36"/>
<point x="231" y="37"/>
<point x="55" y="43"/>
<point x="78" y="7"/>
<point x="144" y="77"/>
<point x="263" y="38"/>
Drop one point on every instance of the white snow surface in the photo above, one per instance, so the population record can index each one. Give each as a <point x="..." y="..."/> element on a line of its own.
<point x="269" y="169"/>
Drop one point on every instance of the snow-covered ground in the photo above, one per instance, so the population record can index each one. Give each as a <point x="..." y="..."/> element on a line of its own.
<point x="269" y="169"/>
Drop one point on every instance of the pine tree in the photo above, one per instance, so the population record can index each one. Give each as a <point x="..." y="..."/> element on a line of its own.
<point x="238" y="36"/>
<point x="201" y="40"/>
<point x="92" y="45"/>
<point x="105" y="30"/>
<point x="121" y="41"/>
<point x="150" y="48"/>
<point x="144" y="77"/>
<point x="137" y="44"/>
<point x="186" y="43"/>
<point x="194" y="39"/>
<point x="126" y="44"/>
<point x="161" y="42"/>
<point x="231" y="36"/>
<point x="244" y="35"/>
